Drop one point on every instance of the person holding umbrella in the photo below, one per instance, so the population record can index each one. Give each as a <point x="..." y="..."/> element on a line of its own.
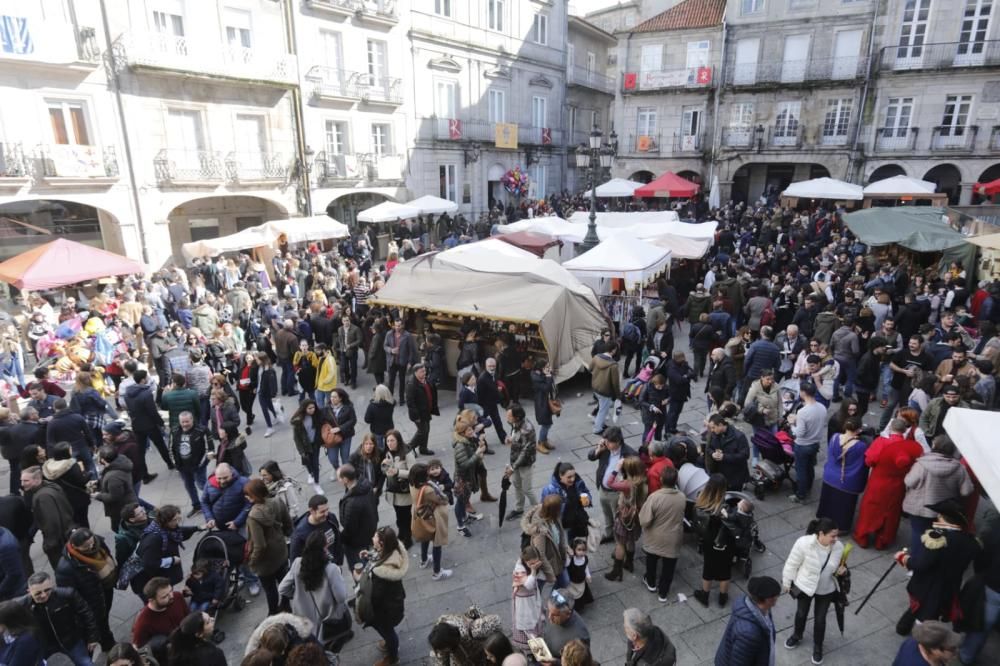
<point x="809" y="575"/>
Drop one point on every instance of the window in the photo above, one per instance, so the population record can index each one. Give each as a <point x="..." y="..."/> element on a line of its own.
<point x="442" y="7"/>
<point x="837" y="120"/>
<point x="376" y="61"/>
<point x="540" y="29"/>
<point x="494" y="14"/>
<point x="537" y="184"/>
<point x="69" y="123"/>
<point x="595" y="119"/>
<point x="381" y="139"/>
<point x="186" y="138"/>
<point x="238" y="34"/>
<point x="956" y="115"/>
<point x="539" y="112"/>
<point x="650" y="58"/>
<point x="446" y="99"/>
<point x="751" y="6"/>
<point x="697" y="54"/>
<point x="741" y="115"/>
<point x="745" y="69"/>
<point x="570" y="57"/>
<point x="913" y="32"/>
<point x="497" y="99"/>
<point x="591" y="65"/>
<point x="336" y="137"/>
<point x="449" y="182"/>
<point x="251" y="136"/>
<point x="895" y="130"/>
<point x="786" y="125"/>
<point x="645" y="121"/>
<point x="331" y="49"/>
<point x="168" y="18"/>
<point x="972" y="38"/>
<point x="691" y="128"/>
<point x="796" y="57"/>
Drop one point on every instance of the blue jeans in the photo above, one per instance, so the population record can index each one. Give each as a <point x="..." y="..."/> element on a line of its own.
<point x="199" y="605"/>
<point x="84" y="455"/>
<point x="143" y="503"/>
<point x="322" y="399"/>
<point x="674" y="409"/>
<point x="604" y="404"/>
<point x="343" y="451"/>
<point x="435" y="553"/>
<point x="974" y="640"/>
<point x="194" y="482"/>
<point x="78" y="654"/>
<point x="805" y="468"/>
<point x="849" y="370"/>
<point x="287" y="376"/>
<point x="543" y="433"/>
<point x="886" y="372"/>
<point x="388" y="634"/>
<point x="267" y="407"/>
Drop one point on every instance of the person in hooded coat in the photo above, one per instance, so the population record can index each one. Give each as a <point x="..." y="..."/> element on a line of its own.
<point x="268" y="525"/>
<point x="115" y="488"/>
<point x="63" y="470"/>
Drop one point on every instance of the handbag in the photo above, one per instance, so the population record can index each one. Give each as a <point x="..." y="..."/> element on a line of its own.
<point x="330" y="438"/>
<point x="555" y="406"/>
<point x="394" y="484"/>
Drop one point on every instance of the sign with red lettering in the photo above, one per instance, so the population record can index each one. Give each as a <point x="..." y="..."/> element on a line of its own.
<point x="704" y="75"/>
<point x="546" y="136"/>
<point x="454" y="129"/>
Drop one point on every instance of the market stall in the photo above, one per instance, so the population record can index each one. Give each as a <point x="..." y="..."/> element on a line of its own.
<point x="825" y="189"/>
<point x="500" y="287"/>
<point x="616" y="187"/>
<point x="307" y="229"/>
<point x="431" y="205"/>
<point x="63" y="262"/>
<point x="541" y="245"/>
<point x="903" y="190"/>
<point x="669" y="185"/>
<point x="388" y="211"/>
<point x="974" y="433"/>
<point x="614" y="219"/>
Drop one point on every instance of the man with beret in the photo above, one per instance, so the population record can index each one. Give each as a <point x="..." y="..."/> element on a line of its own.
<point x="939" y="567"/>
<point x="749" y="636"/>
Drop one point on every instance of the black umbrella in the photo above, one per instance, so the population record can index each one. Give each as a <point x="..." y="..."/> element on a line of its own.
<point x="840" y="601"/>
<point x="504" y="485"/>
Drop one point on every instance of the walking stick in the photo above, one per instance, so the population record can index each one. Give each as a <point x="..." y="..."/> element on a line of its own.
<point x="875" y="587"/>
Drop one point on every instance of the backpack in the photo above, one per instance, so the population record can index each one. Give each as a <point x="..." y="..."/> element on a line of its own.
<point x="631" y="333"/>
<point x="767" y="316"/>
<point x="131" y="568"/>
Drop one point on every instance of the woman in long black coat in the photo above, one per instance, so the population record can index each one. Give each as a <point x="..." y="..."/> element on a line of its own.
<point x="162" y="539"/>
<point x="375" y="357"/>
<point x="543" y="385"/>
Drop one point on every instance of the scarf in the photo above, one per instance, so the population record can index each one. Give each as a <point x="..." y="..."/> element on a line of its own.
<point x="165" y="535"/>
<point x="100" y="563"/>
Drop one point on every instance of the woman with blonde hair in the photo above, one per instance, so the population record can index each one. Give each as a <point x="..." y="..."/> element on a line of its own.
<point x="378" y="414"/>
<point x="629" y="480"/>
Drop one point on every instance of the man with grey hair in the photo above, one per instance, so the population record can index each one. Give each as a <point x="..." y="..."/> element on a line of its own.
<point x="286" y="343"/>
<point x="564" y="624"/>
<point x="647" y="644"/>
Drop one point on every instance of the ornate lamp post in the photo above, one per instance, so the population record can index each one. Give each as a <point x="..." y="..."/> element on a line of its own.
<point x="595" y="158"/>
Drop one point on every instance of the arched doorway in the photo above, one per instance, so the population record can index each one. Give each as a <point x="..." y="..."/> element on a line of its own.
<point x="991" y="174"/>
<point x="345" y="207"/>
<point x="495" y="193"/>
<point x="818" y="171"/>
<point x="886" y="171"/>
<point x="948" y="179"/>
<point x="212" y="217"/>
<point x="642" y="177"/>
<point x="740" y="190"/>
<point x="27" y="224"/>
<point x="692" y="176"/>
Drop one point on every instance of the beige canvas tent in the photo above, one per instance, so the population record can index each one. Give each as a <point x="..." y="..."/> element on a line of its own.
<point x="493" y="281"/>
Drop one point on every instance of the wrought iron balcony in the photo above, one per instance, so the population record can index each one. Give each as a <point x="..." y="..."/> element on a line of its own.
<point x="738" y="136"/>
<point x="378" y="11"/>
<point x="255" y="167"/>
<point x="788" y="72"/>
<point x="790" y="135"/>
<point x="78" y="162"/>
<point x="942" y="55"/>
<point x="950" y="137"/>
<point x="895" y="139"/>
<point x="581" y="76"/>
<point x="188" y="167"/>
<point x="454" y="129"/>
<point x="183" y="56"/>
<point x="333" y="167"/>
<point x="376" y="90"/>
<point x="643" y="144"/>
<point x="667" y="79"/>
<point x="13" y="163"/>
<point x="687" y="143"/>
<point x="330" y="83"/>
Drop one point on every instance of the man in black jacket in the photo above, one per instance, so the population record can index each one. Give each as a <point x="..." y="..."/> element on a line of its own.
<point x="50" y="510"/>
<point x="65" y="621"/>
<point x="29" y="430"/>
<point x="147" y="424"/>
<point x="727" y="452"/>
<point x="318" y="518"/>
<point x="68" y="426"/>
<point x="190" y="447"/>
<point x="75" y="573"/>
<point x="721" y="374"/>
<point x="15" y="516"/>
<point x="422" y="401"/>
<point x="489" y="397"/>
<point x="609" y="451"/>
<point x="358" y="513"/>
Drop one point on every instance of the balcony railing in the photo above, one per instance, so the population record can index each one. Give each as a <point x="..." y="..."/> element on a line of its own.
<point x="893" y="139"/>
<point x="255" y="167"/>
<point x="581" y="76"/>
<point x="452" y="129"/>
<point x="13" y="163"/>
<point x="786" y="136"/>
<point x="195" y="167"/>
<point x="168" y="53"/>
<point x="954" y="137"/>
<point x="667" y="79"/>
<point x="944" y="55"/>
<point x="331" y="167"/>
<point x="643" y="144"/>
<point x="379" y="10"/>
<point x="687" y="143"/>
<point x="737" y="136"/>
<point x="74" y="161"/>
<point x="341" y="84"/>
<point x="796" y="71"/>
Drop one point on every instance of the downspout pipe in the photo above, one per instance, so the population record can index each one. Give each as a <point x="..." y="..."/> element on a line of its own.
<point x="864" y="91"/>
<point x="720" y="79"/>
<point x="302" y="166"/>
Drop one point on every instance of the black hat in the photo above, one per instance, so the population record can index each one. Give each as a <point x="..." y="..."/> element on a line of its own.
<point x="950" y="389"/>
<point x="950" y="510"/>
<point x="764" y="587"/>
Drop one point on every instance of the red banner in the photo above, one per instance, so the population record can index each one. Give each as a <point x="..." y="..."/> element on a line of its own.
<point x="631" y="80"/>
<point x="546" y="136"/>
<point x="704" y="75"/>
<point x="454" y="129"/>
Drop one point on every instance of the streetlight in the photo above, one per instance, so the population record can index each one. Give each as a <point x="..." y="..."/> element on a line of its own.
<point x="598" y="155"/>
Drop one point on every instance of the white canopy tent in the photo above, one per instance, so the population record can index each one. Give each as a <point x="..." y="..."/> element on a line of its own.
<point x="244" y="240"/>
<point x="621" y="256"/>
<point x="616" y="187"/>
<point x="431" y="205"/>
<point x="824" y="188"/>
<point x="900" y="185"/>
<point x="974" y="433"/>
<point x="388" y="211"/>
<point x="308" y="229"/>
<point x="611" y="219"/>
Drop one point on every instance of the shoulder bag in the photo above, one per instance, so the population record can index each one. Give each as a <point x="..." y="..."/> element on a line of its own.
<point x="330" y="438"/>
<point x="796" y="592"/>
<point x="555" y="404"/>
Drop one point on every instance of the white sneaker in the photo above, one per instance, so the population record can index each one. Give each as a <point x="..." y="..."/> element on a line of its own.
<point x="424" y="563"/>
<point x="441" y="575"/>
<point x="318" y="489"/>
<point x="253" y="589"/>
<point x="472" y="515"/>
<point x="333" y="477"/>
<point x="268" y="432"/>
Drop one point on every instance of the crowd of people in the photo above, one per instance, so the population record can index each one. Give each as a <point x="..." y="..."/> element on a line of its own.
<point x="787" y="318"/>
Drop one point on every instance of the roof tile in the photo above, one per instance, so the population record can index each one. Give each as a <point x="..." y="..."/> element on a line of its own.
<point x="685" y="15"/>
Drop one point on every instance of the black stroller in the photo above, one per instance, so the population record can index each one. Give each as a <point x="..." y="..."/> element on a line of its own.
<point x="776" y="461"/>
<point x="224" y="550"/>
<point x="740" y="528"/>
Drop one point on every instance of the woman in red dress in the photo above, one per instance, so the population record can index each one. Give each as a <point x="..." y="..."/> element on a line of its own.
<point x="890" y="458"/>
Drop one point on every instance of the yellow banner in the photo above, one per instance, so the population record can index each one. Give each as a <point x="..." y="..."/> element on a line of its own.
<point x="506" y="135"/>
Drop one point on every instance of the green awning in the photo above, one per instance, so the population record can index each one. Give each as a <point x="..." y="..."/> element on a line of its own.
<point x="917" y="228"/>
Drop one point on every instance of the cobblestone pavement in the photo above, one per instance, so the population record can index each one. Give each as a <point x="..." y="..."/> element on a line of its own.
<point x="482" y="564"/>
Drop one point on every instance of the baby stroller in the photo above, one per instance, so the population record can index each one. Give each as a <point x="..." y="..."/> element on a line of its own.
<point x="740" y="528"/>
<point x="224" y="549"/>
<point x="776" y="460"/>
